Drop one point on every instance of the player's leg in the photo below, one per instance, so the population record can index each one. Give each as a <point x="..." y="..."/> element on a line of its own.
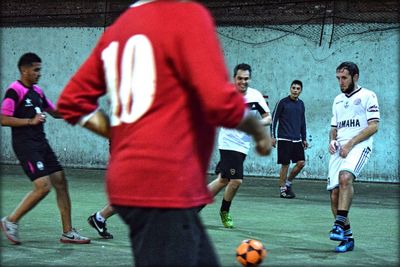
<point x="348" y="243"/>
<point x="283" y="175"/>
<point x="232" y="169"/>
<point x="296" y="170"/>
<point x="98" y="221"/>
<point x="298" y="157"/>
<point x="217" y="184"/>
<point x="176" y="236"/>
<point x="344" y="200"/>
<point x="60" y="184"/>
<point x="284" y="148"/>
<point x="32" y="164"/>
<point x="41" y="187"/>
<point x="63" y="200"/>
<point x="229" y="194"/>
<point x="350" y="168"/>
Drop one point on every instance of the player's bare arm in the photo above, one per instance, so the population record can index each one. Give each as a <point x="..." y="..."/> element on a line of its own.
<point x="333" y="145"/>
<point x="252" y="126"/>
<point x="266" y="119"/>
<point x="371" y="129"/>
<point x="54" y="113"/>
<point x="21" y="122"/>
<point x="99" y="123"/>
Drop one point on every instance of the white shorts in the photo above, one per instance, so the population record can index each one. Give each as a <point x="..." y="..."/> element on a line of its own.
<point x="354" y="163"/>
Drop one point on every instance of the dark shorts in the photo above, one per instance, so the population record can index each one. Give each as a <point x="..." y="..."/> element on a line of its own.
<point x="231" y="164"/>
<point x="37" y="162"/>
<point x="168" y="237"/>
<point x="290" y="151"/>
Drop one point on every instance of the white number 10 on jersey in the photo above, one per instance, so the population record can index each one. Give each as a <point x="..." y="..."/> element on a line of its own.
<point x="133" y="95"/>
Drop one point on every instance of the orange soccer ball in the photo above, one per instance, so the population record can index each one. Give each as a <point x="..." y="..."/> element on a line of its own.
<point x="250" y="253"/>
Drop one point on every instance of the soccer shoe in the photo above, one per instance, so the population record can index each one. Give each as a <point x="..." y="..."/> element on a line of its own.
<point x="290" y="192"/>
<point x="286" y="194"/>
<point x="344" y="246"/>
<point x="226" y="219"/>
<point x="99" y="226"/>
<point x="74" y="237"/>
<point x="337" y="233"/>
<point x="10" y="229"/>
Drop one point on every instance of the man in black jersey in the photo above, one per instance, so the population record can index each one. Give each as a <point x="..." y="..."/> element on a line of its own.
<point x="23" y="110"/>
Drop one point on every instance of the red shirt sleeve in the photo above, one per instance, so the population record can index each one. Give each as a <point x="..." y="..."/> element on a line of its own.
<point x="80" y="95"/>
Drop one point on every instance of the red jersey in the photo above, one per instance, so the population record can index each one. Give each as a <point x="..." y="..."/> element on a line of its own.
<point x="162" y="66"/>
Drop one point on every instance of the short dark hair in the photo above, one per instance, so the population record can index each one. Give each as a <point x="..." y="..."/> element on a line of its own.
<point x="28" y="59"/>
<point x="350" y="66"/>
<point x="241" y="66"/>
<point x="297" y="82"/>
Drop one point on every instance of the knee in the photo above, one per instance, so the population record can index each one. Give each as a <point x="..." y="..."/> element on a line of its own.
<point x="43" y="189"/>
<point x="301" y="164"/>
<point x="345" y="179"/>
<point x="235" y="183"/>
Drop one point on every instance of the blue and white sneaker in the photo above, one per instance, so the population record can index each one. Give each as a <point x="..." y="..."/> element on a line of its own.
<point x="344" y="246"/>
<point x="337" y="233"/>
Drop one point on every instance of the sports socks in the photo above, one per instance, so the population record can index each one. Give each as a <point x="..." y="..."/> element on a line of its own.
<point x="347" y="231"/>
<point x="288" y="183"/>
<point x="99" y="217"/>
<point x="341" y="218"/>
<point x="225" y="206"/>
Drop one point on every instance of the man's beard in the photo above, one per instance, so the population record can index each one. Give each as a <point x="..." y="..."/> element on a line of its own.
<point x="351" y="87"/>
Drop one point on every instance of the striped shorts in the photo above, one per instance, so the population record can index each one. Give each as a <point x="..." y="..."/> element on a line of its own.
<point x="353" y="163"/>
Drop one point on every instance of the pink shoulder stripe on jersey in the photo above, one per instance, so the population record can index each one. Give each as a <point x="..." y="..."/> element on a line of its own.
<point x="50" y="105"/>
<point x="8" y="105"/>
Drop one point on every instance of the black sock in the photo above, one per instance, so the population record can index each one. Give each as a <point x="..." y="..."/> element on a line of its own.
<point x="225" y="206"/>
<point x="341" y="217"/>
<point x="347" y="232"/>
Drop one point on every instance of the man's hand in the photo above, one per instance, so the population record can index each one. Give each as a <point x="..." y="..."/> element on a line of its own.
<point x="305" y="144"/>
<point x="252" y="126"/>
<point x="38" y="119"/>
<point x="345" y="150"/>
<point x="333" y="146"/>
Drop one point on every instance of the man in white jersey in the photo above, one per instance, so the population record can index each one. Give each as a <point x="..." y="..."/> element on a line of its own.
<point x="234" y="145"/>
<point x="355" y="119"/>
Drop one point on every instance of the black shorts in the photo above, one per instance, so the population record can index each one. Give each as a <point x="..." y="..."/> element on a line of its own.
<point x="290" y="151"/>
<point x="37" y="162"/>
<point x="168" y="237"/>
<point x="231" y="164"/>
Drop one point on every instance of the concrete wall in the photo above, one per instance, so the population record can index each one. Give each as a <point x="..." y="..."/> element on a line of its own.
<point x="276" y="59"/>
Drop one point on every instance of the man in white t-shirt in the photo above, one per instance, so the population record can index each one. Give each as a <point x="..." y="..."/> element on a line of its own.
<point x="355" y="120"/>
<point x="234" y="145"/>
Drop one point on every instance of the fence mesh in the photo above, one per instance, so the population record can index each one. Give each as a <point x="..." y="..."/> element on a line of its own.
<point x="309" y="19"/>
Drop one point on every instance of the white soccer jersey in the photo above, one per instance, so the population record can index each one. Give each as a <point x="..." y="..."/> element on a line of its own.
<point x="232" y="139"/>
<point x="351" y="114"/>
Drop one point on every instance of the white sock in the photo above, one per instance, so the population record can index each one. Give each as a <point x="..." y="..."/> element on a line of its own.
<point x="99" y="217"/>
<point x="288" y="183"/>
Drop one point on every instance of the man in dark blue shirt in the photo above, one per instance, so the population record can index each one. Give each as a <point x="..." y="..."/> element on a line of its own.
<point x="289" y="118"/>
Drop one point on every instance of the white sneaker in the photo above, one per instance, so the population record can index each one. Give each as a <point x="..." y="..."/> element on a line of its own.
<point x="74" y="237"/>
<point x="10" y="229"/>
